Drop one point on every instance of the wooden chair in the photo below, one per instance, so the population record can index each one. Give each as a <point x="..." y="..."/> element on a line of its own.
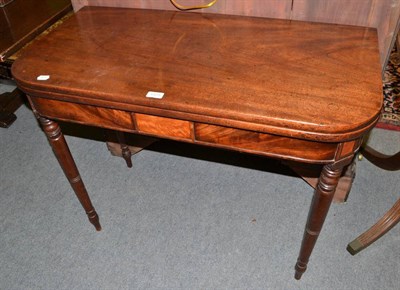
<point x="391" y="217"/>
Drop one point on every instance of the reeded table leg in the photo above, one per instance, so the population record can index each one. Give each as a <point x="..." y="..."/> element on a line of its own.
<point x="61" y="150"/>
<point x="320" y="204"/>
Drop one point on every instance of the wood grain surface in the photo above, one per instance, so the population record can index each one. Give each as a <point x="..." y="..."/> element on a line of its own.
<point x="84" y="114"/>
<point x="291" y="78"/>
<point x="255" y="142"/>
<point x="210" y="135"/>
<point x="381" y="14"/>
<point x="261" y="8"/>
<point x="160" y="126"/>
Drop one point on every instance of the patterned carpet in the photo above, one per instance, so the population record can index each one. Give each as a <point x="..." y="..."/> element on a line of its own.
<point x="390" y="118"/>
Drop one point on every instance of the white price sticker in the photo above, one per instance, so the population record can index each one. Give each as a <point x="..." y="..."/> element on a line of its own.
<point x="155" y="95"/>
<point x="43" y="77"/>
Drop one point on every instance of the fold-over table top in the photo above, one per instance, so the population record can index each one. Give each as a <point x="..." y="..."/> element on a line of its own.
<point x="301" y="79"/>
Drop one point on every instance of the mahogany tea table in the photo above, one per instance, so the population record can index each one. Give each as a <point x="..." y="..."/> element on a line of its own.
<point x="295" y="91"/>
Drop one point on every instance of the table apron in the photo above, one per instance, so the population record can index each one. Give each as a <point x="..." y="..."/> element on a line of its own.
<point x="253" y="142"/>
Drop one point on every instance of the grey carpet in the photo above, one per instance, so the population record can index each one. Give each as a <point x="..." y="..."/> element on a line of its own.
<point x="180" y="219"/>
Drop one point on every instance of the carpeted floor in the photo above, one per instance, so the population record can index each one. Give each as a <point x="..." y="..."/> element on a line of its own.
<point x="184" y="217"/>
<point x="390" y="118"/>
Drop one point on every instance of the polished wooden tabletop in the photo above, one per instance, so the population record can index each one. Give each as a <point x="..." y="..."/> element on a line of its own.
<point x="307" y="80"/>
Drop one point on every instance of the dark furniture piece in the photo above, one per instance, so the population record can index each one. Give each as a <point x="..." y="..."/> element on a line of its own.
<point x="5" y="2"/>
<point x="295" y="91"/>
<point x="20" y="22"/>
<point x="391" y="217"/>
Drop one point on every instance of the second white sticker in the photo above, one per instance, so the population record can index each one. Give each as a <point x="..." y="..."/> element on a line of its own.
<point x="155" y="95"/>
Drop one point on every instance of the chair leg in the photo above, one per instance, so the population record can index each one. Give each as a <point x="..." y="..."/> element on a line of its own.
<point x="388" y="221"/>
<point x="380" y="160"/>
<point x="391" y="217"/>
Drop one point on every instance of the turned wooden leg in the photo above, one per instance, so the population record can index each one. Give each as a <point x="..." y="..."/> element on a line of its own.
<point x="311" y="173"/>
<point x="61" y="150"/>
<point x="126" y="152"/>
<point x="388" y="221"/>
<point x="320" y="204"/>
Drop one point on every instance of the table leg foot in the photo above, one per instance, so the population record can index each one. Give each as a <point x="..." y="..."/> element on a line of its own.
<point x="126" y="152"/>
<point x="300" y="269"/>
<point x="94" y="220"/>
<point x="320" y="204"/>
<point x="67" y="163"/>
